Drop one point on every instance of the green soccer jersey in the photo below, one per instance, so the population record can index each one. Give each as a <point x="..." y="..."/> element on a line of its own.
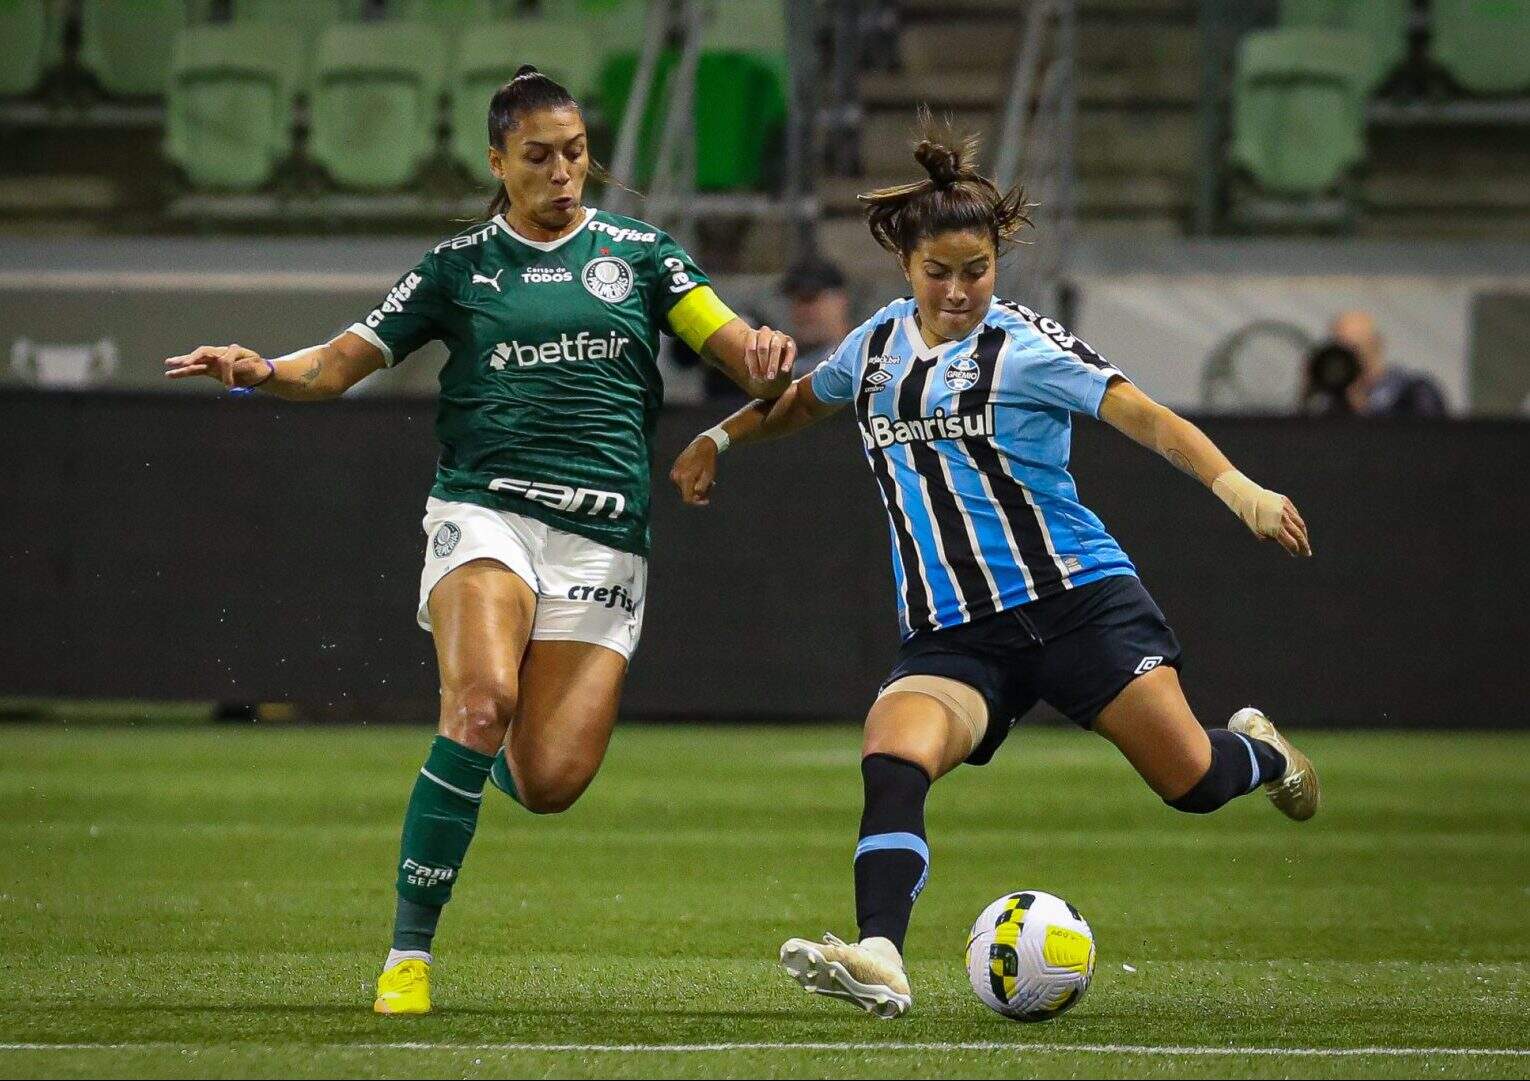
<point x="551" y="390"/>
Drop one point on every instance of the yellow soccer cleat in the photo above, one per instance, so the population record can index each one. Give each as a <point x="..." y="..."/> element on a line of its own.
<point x="404" y="988"/>
<point x="1295" y="793"/>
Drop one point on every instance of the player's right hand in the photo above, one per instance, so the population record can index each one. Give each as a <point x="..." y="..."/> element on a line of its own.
<point x="231" y="365"/>
<point x="695" y="471"/>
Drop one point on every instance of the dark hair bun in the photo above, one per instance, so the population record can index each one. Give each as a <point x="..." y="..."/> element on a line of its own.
<point x="944" y="165"/>
<point x="526" y="69"/>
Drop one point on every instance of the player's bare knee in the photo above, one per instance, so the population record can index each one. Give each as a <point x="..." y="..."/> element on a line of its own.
<point x="479" y="715"/>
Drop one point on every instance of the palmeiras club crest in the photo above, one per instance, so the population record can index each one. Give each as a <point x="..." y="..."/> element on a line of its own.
<point x="608" y="278"/>
<point x="445" y="540"/>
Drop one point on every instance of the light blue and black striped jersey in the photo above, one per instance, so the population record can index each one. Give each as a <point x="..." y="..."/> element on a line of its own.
<point x="969" y="445"/>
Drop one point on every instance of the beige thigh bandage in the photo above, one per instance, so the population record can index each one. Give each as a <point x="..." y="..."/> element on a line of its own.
<point x="965" y="703"/>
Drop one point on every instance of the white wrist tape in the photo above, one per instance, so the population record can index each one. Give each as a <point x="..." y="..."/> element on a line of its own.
<point x="718" y="436"/>
<point x="1260" y="508"/>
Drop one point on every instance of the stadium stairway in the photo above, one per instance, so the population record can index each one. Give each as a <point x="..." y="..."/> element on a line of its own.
<point x="1138" y="79"/>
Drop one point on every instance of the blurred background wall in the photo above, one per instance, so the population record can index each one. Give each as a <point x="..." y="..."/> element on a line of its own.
<point x="1215" y="183"/>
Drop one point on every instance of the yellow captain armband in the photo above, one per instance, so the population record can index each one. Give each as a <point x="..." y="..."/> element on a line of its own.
<point x="698" y="316"/>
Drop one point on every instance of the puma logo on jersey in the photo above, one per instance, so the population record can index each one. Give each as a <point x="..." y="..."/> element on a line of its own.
<point x="479" y="279"/>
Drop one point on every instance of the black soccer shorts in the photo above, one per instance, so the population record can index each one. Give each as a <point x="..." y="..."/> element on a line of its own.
<point x="1075" y="650"/>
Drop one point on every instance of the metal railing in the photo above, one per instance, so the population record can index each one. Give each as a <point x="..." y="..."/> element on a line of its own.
<point x="1036" y="142"/>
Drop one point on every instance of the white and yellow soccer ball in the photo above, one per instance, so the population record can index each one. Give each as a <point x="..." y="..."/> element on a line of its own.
<point x="1030" y="956"/>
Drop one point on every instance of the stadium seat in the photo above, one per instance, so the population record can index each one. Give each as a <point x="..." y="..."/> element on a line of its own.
<point x="1383" y="23"/>
<point x="1297" y="112"/>
<point x="29" y="44"/>
<point x="310" y="18"/>
<point x="1484" y="44"/>
<point x="487" y="55"/>
<point x="376" y="96"/>
<point x="228" y="116"/>
<point x="740" y="95"/>
<point x="126" y="44"/>
<point x="451" y="17"/>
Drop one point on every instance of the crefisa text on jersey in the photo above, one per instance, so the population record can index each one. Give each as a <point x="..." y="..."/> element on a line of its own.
<point x="880" y="431"/>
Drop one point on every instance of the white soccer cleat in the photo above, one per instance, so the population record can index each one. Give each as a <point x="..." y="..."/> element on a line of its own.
<point x="869" y="974"/>
<point x="1295" y="793"/>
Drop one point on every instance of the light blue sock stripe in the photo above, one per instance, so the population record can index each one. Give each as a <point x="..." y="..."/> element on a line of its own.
<point x="1253" y="763"/>
<point x="877" y="842"/>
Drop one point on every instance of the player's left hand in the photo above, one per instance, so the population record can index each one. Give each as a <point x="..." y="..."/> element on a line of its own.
<point x="1290" y="532"/>
<point x="768" y="354"/>
<point x="695" y="471"/>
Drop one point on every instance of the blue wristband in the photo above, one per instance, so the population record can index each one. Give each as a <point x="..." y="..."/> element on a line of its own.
<point x="245" y="392"/>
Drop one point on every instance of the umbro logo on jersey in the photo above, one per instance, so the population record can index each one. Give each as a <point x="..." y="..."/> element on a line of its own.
<point x="479" y="279"/>
<point x="608" y="278"/>
<point x="962" y="374"/>
<point x="546" y="275"/>
<point x="880" y="378"/>
<point x="1147" y="664"/>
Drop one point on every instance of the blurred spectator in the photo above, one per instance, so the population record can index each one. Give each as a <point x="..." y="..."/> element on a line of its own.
<point x="820" y="310"/>
<point x="1379" y="389"/>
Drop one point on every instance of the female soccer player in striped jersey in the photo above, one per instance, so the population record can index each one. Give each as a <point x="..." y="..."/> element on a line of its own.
<point x="537" y="526"/>
<point x="1009" y="590"/>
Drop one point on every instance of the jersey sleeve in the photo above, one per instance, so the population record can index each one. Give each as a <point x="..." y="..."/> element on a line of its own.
<point x="1058" y="369"/>
<point x="682" y="298"/>
<point x="410" y="315"/>
<point x="833" y="381"/>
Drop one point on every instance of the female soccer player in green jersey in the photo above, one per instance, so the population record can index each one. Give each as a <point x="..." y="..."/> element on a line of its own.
<point x="537" y="526"/>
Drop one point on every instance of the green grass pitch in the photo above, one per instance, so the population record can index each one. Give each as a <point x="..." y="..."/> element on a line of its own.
<point x="203" y="901"/>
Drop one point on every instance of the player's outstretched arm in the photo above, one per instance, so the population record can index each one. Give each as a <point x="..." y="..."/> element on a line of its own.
<point x="695" y="471"/>
<point x="758" y="359"/>
<point x="309" y="375"/>
<point x="1268" y="515"/>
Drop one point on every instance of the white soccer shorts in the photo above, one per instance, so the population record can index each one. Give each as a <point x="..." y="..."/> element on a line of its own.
<point x="586" y="591"/>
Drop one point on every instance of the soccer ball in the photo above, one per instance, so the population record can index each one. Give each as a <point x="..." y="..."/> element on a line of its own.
<point x="1030" y="956"/>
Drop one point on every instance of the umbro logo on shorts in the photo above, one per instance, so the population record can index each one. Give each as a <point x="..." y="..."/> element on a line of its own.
<point x="1147" y="664"/>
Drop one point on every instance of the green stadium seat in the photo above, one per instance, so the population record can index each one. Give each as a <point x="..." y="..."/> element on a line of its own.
<point x="451" y="17"/>
<point x="740" y="96"/>
<point x="126" y="44"/>
<point x="228" y="115"/>
<point x="1297" y="111"/>
<point x="1383" y="23"/>
<point x="30" y="43"/>
<point x="486" y="57"/>
<point x="1484" y="44"/>
<point x="310" y="18"/>
<point x="375" y="102"/>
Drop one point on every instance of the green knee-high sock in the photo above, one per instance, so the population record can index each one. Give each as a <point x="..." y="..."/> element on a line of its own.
<point x="438" y="825"/>
<point x="499" y="776"/>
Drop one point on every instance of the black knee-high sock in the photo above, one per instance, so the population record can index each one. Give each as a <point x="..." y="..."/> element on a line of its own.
<point x="892" y="860"/>
<point x="1238" y="766"/>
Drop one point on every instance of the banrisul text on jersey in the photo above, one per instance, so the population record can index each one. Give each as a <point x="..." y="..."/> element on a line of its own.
<point x="969" y="444"/>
